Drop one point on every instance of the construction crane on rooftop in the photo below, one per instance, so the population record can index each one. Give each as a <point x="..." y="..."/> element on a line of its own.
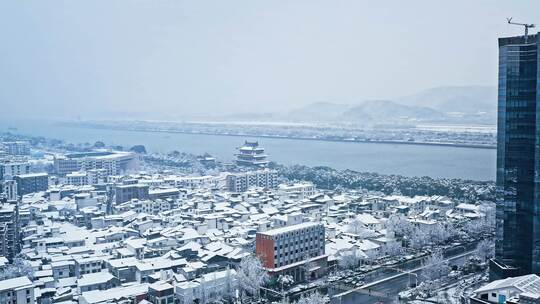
<point x="525" y="25"/>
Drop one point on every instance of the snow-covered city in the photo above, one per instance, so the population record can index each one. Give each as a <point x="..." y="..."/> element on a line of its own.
<point x="104" y="225"/>
<point x="269" y="152"/>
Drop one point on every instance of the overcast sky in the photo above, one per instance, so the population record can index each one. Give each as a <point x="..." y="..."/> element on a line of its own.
<point x="88" y="58"/>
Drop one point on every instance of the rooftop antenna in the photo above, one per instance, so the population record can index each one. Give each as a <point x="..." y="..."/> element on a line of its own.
<point x="527" y="26"/>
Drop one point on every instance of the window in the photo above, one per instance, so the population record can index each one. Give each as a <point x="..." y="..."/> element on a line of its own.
<point x="493" y="294"/>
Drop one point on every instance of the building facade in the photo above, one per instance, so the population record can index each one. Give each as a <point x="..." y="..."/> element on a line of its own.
<point x="125" y="193"/>
<point x="17" y="290"/>
<point x="296" y="250"/>
<point x="17" y="147"/>
<point x="251" y="155"/>
<point x="9" y="190"/>
<point x="9" y="230"/>
<point x="30" y="183"/>
<point x="518" y="159"/>
<point x="11" y="168"/>
<point x="113" y="162"/>
<point x="240" y="182"/>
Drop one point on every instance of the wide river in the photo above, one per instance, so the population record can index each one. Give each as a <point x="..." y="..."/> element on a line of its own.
<point x="410" y="160"/>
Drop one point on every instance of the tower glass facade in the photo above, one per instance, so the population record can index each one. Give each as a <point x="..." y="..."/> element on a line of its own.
<point x="517" y="249"/>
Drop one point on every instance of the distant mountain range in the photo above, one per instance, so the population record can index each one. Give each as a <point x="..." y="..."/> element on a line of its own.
<point x="440" y="105"/>
<point x="460" y="105"/>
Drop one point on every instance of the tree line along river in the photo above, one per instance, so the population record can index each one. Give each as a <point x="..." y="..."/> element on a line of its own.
<point x="383" y="158"/>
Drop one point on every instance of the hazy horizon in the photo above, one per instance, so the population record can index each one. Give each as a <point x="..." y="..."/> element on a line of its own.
<point x="95" y="59"/>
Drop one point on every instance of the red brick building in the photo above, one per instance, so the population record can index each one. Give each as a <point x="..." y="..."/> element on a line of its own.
<point x="296" y="250"/>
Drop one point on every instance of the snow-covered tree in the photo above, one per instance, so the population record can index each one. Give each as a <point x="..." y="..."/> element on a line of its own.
<point x="435" y="266"/>
<point x="251" y="275"/>
<point x="19" y="267"/>
<point x="230" y="286"/>
<point x="204" y="292"/>
<point x="399" y="225"/>
<point x="285" y="280"/>
<point x="418" y="239"/>
<point x="355" y="226"/>
<point x="485" y="249"/>
<point x="307" y="269"/>
<point x="393" y="249"/>
<point x="349" y="259"/>
<point x="440" y="233"/>
<point x="312" y="298"/>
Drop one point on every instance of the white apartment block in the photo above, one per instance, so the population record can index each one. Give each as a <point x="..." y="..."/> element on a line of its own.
<point x="194" y="182"/>
<point x="77" y="179"/>
<point x="10" y="169"/>
<point x="16" y="291"/>
<point x="240" y="182"/>
<point x="17" y="147"/>
<point x="301" y="190"/>
<point x="150" y="206"/>
<point x="9" y="190"/>
<point x="114" y="163"/>
<point x="96" y="176"/>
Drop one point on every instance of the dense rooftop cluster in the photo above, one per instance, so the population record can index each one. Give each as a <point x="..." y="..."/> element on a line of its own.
<point x="122" y="229"/>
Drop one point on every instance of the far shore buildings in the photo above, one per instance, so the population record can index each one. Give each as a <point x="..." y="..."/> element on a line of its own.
<point x="251" y="155"/>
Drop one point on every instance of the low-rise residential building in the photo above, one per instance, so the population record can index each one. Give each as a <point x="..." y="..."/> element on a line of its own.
<point x="128" y="192"/>
<point x="510" y="290"/>
<point x="96" y="281"/>
<point x="300" y="190"/>
<point x="161" y="293"/>
<point x="17" y="290"/>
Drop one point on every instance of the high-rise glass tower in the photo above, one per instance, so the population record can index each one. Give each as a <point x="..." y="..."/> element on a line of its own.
<point x="517" y="247"/>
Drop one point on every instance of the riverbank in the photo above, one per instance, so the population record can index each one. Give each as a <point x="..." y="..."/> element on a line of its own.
<point x="347" y="140"/>
<point x="384" y="158"/>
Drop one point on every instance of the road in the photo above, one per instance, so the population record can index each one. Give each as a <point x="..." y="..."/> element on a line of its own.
<point x="391" y="282"/>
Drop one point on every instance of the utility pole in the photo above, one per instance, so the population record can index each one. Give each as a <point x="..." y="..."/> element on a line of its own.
<point x="525" y="25"/>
